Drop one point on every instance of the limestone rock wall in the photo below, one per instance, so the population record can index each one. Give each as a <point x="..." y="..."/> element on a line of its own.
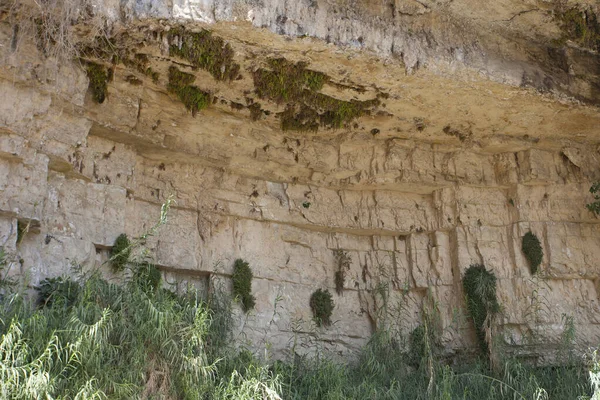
<point x="447" y="173"/>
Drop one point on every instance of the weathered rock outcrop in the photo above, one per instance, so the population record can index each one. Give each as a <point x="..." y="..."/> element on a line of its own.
<point x="299" y="148"/>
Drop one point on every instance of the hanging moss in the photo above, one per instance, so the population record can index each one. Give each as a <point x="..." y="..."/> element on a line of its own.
<point x="321" y="305"/>
<point x="286" y="81"/>
<point x="120" y="252"/>
<point x="532" y="249"/>
<point x="479" y="285"/>
<point x="242" y="284"/>
<point x="204" y="50"/>
<point x="180" y="83"/>
<point x="580" y="26"/>
<point x="98" y="81"/>
<point x="306" y="109"/>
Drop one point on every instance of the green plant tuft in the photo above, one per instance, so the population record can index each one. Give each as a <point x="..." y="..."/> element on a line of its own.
<point x="321" y="305"/>
<point x="147" y="277"/>
<point x="242" y="284"/>
<point x="343" y="262"/>
<point x="479" y="285"/>
<point x="204" y="50"/>
<point x="121" y="250"/>
<point x="60" y="292"/>
<point x="532" y="249"/>
<point x="595" y="205"/>
<point x="180" y="83"/>
<point x="98" y="79"/>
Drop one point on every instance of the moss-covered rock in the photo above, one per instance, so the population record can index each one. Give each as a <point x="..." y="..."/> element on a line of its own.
<point x="206" y="51"/>
<point x="180" y="83"/>
<point x="306" y="109"/>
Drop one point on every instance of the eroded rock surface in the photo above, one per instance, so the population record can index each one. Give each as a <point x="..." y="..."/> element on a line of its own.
<point x="415" y="173"/>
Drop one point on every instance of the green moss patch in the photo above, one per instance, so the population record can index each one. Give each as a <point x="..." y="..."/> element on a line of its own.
<point x="206" y="51"/>
<point x="479" y="285"/>
<point x="306" y="109"/>
<point x="286" y="81"/>
<point x="581" y="26"/>
<point x="98" y="81"/>
<point x="532" y="249"/>
<point x="242" y="284"/>
<point x="321" y="305"/>
<point x="180" y="83"/>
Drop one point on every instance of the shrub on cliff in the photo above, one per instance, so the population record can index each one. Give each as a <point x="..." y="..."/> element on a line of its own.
<point x="321" y="305"/>
<point x="242" y="284"/>
<point x="479" y="286"/>
<point x="120" y="252"/>
<point x="532" y="249"/>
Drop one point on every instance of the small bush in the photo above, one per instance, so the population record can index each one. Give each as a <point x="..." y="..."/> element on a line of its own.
<point x="119" y="255"/>
<point x="57" y="292"/>
<point x="242" y="284"/>
<point x="147" y="277"/>
<point x="479" y="285"/>
<point x="321" y="304"/>
<point x="532" y="249"/>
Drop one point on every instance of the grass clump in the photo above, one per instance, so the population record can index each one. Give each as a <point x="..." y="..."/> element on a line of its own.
<point x="321" y="305"/>
<point x="242" y="284"/>
<point x="532" y="249"/>
<point x="204" y="50"/>
<point x="120" y="252"/>
<point x="180" y="83"/>
<point x="479" y="286"/>
<point x="98" y="82"/>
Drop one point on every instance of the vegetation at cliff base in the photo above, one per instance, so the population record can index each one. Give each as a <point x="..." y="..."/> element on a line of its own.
<point x="88" y="338"/>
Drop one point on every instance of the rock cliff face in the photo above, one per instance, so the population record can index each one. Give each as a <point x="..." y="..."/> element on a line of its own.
<point x="417" y="138"/>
